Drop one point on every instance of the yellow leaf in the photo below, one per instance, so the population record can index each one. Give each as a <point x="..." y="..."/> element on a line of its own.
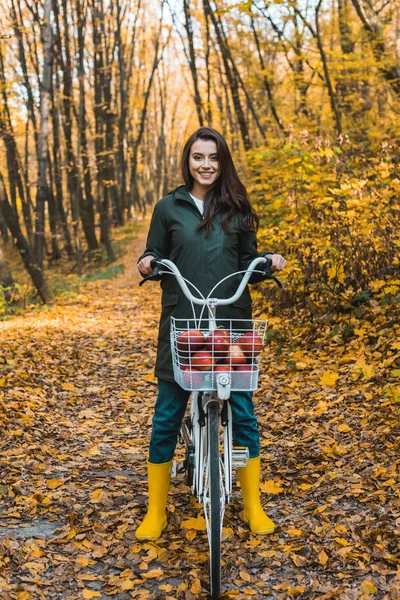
<point x="195" y="588"/>
<point x="191" y="534"/>
<point x="87" y="594"/>
<point x="343" y="428"/>
<point x="245" y="576"/>
<point x="2" y="382"/>
<point x="198" y="523"/>
<point x="52" y="484"/>
<point x="150" y="377"/>
<point x="299" y="560"/>
<point x="82" y="561"/>
<point x="296" y="591"/>
<point x="270" y="487"/>
<point x="323" y="557"/>
<point x="153" y="574"/>
<point x="70" y="388"/>
<point x="24" y="596"/>
<point x="294" y="532"/>
<point x="182" y="587"/>
<point x="368" y="587"/>
<point x="320" y="509"/>
<point x="342" y="541"/>
<point x="98" y="496"/>
<point x="389" y="482"/>
<point x="329" y="378"/>
<point x="305" y="486"/>
<point x="128" y="584"/>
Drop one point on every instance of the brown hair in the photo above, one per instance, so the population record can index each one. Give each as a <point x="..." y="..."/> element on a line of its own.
<point x="228" y="197"/>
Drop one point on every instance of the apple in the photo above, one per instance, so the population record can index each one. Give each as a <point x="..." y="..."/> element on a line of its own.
<point x="246" y="368"/>
<point x="203" y="360"/>
<point x="184" y="364"/>
<point x="190" y="341"/>
<point x="224" y="368"/>
<point x="235" y="356"/>
<point x="218" y="343"/>
<point x="251" y="344"/>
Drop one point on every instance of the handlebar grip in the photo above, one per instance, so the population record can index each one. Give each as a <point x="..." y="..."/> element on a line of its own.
<point x="155" y="275"/>
<point x="268" y="272"/>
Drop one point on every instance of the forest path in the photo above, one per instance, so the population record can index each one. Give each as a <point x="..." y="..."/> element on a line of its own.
<point x="76" y="397"/>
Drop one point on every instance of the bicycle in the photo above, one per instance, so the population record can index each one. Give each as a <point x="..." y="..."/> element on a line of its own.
<point x="208" y="471"/>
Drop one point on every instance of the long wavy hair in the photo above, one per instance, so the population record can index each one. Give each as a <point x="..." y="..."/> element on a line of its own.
<point x="228" y="198"/>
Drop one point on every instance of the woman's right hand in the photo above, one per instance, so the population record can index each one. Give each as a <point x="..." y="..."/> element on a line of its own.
<point x="144" y="265"/>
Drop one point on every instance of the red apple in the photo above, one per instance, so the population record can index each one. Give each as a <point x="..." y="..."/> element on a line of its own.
<point x="218" y="343"/>
<point x="203" y="360"/>
<point x="251" y="344"/>
<point x="235" y="356"/>
<point x="246" y="368"/>
<point x="184" y="364"/>
<point x="190" y="341"/>
<point x="224" y="368"/>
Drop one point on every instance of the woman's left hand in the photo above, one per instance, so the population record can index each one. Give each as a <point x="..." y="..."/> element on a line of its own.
<point x="278" y="262"/>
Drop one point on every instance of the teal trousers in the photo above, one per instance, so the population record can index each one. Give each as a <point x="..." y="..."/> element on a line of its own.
<point x="170" y="409"/>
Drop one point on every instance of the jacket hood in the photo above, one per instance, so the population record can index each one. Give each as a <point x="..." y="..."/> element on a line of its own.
<point x="181" y="192"/>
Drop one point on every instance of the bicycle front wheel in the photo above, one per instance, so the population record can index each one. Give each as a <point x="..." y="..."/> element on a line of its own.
<point x="214" y="489"/>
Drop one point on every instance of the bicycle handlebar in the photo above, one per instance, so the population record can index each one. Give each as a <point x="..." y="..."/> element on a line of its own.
<point x="158" y="272"/>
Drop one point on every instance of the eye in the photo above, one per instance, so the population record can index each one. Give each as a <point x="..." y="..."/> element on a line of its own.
<point x="214" y="157"/>
<point x="197" y="157"/>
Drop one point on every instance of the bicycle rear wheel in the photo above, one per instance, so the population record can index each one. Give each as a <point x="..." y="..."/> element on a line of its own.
<point x="214" y="500"/>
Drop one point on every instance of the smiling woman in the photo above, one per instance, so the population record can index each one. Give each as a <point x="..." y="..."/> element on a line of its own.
<point x="207" y="246"/>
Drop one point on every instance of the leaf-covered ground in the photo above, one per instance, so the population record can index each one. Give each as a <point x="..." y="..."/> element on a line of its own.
<point x="76" y="398"/>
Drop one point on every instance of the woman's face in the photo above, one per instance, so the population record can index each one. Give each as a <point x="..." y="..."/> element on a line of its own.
<point x="204" y="164"/>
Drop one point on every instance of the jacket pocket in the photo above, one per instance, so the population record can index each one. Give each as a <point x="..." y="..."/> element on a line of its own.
<point x="169" y="299"/>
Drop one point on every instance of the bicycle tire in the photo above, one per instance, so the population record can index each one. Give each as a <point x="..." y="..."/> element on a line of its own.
<point x="215" y="505"/>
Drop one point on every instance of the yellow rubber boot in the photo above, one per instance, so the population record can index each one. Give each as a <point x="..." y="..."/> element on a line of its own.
<point x="253" y="513"/>
<point x="156" y="519"/>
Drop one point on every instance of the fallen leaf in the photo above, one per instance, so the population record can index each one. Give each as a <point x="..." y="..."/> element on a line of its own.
<point x="197" y="523"/>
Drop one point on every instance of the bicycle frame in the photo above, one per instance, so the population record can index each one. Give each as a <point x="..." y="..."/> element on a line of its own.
<point x="210" y="476"/>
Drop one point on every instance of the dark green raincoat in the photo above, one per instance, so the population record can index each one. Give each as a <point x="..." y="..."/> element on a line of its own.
<point x="203" y="261"/>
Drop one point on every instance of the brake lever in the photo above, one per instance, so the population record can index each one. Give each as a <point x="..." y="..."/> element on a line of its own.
<point x="155" y="275"/>
<point x="268" y="272"/>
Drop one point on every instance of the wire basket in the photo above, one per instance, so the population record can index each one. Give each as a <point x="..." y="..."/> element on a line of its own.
<point x="235" y="347"/>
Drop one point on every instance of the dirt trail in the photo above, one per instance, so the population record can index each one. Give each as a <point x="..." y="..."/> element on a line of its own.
<point x="76" y="398"/>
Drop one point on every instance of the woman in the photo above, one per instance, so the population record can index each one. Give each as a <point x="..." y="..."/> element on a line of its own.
<point x="207" y="228"/>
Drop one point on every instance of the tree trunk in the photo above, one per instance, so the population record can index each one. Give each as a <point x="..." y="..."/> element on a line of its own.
<point x="34" y="270"/>
<point x="59" y="199"/>
<point x="232" y="80"/>
<point x="108" y="117"/>
<point x="99" y="124"/>
<point x="332" y="94"/>
<point x="386" y="56"/>
<point x="42" y="190"/>
<point x="134" y="186"/>
<point x="267" y="85"/>
<point x="6" y="279"/>
<point x="87" y="210"/>
<point x="192" y="61"/>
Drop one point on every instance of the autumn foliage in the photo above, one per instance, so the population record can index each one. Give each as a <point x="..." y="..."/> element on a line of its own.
<point x="96" y="100"/>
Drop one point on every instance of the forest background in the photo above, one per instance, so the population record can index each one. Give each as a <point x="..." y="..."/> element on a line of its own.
<point x="96" y="98"/>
